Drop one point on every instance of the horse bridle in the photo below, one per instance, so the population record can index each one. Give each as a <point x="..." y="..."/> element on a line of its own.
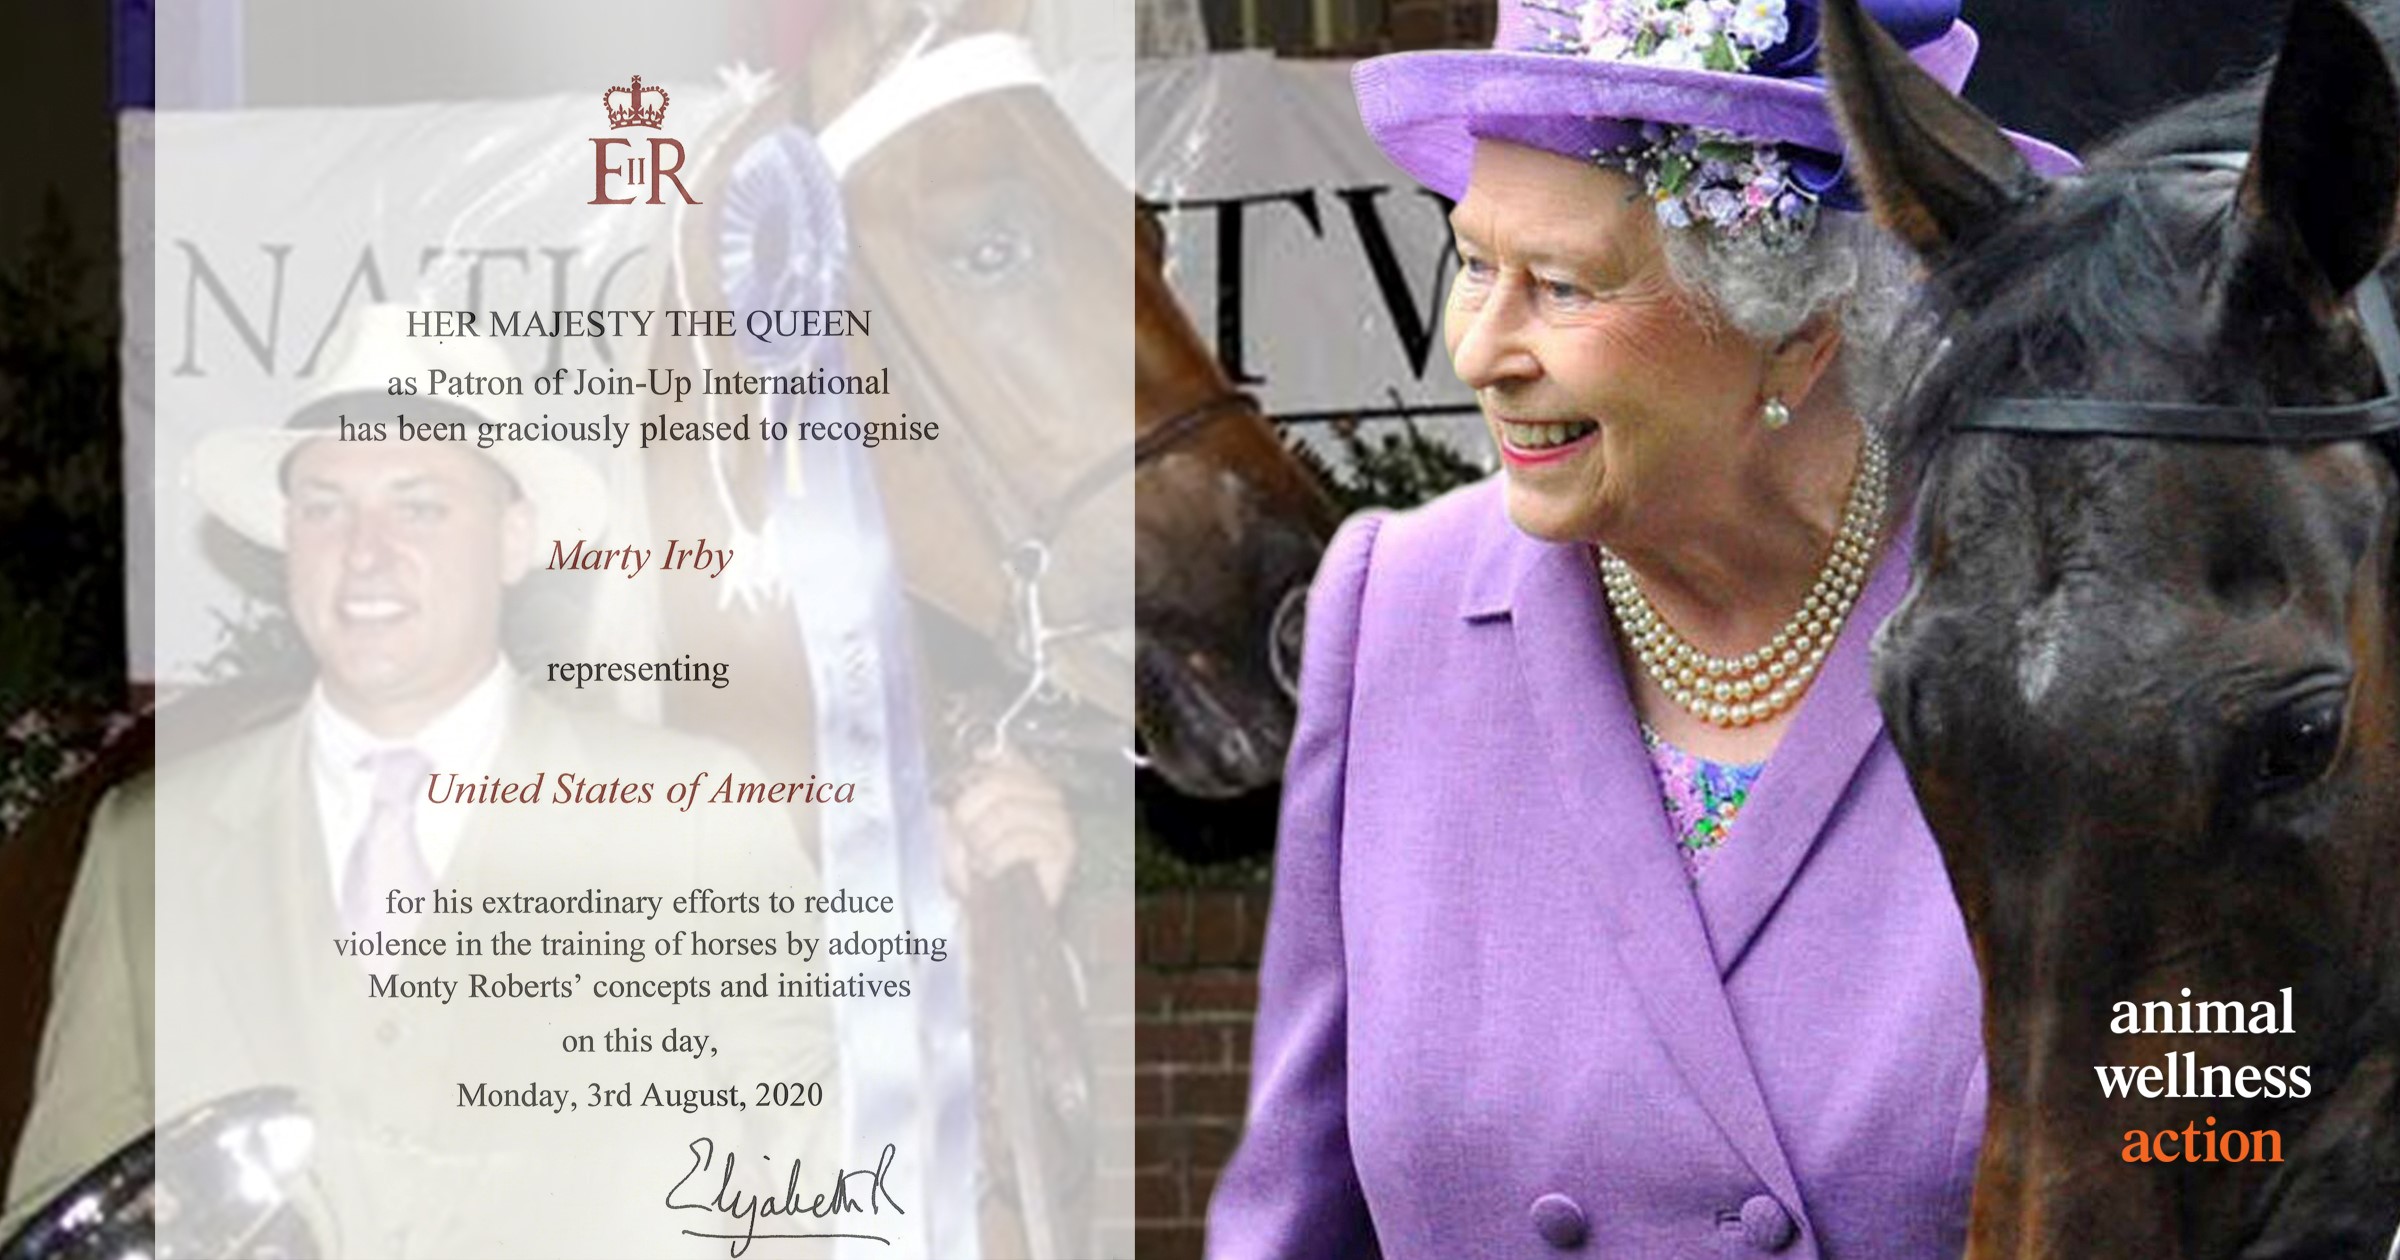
<point x="1181" y="427"/>
<point x="2376" y="417"/>
<point x="2372" y="419"/>
<point x="1033" y="526"/>
<point x="1145" y="448"/>
<point x="932" y="76"/>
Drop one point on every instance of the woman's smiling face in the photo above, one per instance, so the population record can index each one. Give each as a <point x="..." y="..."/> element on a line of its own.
<point x="1606" y="386"/>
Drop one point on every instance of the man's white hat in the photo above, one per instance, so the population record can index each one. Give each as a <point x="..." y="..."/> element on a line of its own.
<point x="238" y="473"/>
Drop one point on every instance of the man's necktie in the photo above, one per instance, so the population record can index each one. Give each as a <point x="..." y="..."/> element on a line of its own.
<point x="386" y="858"/>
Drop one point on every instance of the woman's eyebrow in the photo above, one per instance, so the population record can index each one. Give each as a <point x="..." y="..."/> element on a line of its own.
<point x="1538" y="253"/>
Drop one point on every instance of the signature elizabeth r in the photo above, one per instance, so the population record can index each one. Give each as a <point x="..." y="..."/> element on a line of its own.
<point x="748" y="1207"/>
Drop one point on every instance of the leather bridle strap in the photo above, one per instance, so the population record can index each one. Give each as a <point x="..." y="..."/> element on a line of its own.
<point x="2203" y="422"/>
<point x="927" y="81"/>
<point x="2200" y="422"/>
<point x="1179" y="428"/>
<point x="1148" y="445"/>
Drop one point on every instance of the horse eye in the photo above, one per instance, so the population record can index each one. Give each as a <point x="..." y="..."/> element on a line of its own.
<point x="993" y="255"/>
<point x="2295" y="745"/>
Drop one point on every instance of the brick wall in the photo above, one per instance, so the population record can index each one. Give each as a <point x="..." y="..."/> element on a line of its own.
<point x="1411" y="24"/>
<point x="1194" y="993"/>
<point x="1361" y="28"/>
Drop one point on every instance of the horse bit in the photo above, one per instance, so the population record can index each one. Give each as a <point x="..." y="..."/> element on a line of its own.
<point x="2374" y="418"/>
<point x="1029" y="559"/>
<point x="930" y="76"/>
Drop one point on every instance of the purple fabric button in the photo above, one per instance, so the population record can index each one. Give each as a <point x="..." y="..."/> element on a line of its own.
<point x="1765" y="1225"/>
<point x="1560" y="1221"/>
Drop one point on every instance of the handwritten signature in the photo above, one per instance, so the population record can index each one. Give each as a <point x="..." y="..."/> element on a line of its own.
<point x="748" y="1207"/>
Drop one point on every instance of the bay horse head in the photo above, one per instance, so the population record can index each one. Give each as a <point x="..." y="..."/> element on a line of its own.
<point x="1229" y="526"/>
<point x="1006" y="244"/>
<point x="2147" y="676"/>
<point x="1001" y="245"/>
<point x="991" y="248"/>
<point x="1009" y="226"/>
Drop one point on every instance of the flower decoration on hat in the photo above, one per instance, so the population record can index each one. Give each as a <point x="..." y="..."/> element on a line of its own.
<point x="1723" y="35"/>
<point x="1737" y="185"/>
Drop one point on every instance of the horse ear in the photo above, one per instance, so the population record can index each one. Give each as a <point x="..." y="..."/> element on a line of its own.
<point x="1934" y="169"/>
<point x="1149" y="235"/>
<point x="846" y="50"/>
<point x="2323" y="183"/>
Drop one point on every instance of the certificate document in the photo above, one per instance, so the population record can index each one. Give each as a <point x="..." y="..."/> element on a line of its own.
<point x="637" y="565"/>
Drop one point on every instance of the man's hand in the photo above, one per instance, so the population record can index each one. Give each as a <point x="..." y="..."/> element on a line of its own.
<point x="1008" y="813"/>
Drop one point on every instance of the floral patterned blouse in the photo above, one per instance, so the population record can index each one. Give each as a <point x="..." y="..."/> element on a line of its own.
<point x="1702" y="797"/>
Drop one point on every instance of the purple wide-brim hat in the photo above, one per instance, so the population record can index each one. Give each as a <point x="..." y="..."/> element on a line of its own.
<point x="1426" y="110"/>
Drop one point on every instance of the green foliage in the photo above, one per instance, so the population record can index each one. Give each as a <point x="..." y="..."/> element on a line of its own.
<point x="1399" y="467"/>
<point x="259" y="644"/>
<point x="1157" y="868"/>
<point x="62" y="509"/>
<point x="62" y="502"/>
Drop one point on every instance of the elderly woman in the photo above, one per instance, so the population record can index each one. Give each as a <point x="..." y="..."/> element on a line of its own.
<point x="1604" y="917"/>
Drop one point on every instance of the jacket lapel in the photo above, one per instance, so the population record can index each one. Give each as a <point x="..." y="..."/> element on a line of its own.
<point x="265" y="874"/>
<point x="1570" y="672"/>
<point x="536" y="737"/>
<point x="1796" y="794"/>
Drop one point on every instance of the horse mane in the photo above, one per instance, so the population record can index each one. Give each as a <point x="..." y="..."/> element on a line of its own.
<point x="2220" y="122"/>
<point x="2091" y="293"/>
<point x="2099" y="289"/>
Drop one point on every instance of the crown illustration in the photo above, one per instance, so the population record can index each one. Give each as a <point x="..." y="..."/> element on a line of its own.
<point x="625" y="108"/>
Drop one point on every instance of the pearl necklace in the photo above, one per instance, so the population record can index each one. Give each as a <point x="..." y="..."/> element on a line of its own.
<point x="1737" y="691"/>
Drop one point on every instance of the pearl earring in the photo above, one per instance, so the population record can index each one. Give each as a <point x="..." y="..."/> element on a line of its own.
<point x="1774" y="414"/>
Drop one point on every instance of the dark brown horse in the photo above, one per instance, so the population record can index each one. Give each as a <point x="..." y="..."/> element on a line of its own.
<point x="2147" y="679"/>
<point x="1229" y="527"/>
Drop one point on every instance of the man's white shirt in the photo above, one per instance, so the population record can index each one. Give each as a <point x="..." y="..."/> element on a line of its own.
<point x="464" y="740"/>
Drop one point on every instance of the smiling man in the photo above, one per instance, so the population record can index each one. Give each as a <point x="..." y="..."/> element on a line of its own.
<point x="397" y="562"/>
<point x="308" y="875"/>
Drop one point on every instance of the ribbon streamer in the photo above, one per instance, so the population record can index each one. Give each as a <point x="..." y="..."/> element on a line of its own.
<point x="908" y="1067"/>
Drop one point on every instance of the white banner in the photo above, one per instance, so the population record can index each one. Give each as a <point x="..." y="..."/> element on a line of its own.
<point x="1315" y="266"/>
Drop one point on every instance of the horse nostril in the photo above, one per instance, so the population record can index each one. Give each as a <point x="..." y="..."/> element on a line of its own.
<point x="1897" y="694"/>
<point x="1286" y="632"/>
<point x="1911" y="713"/>
<point x="1899" y="687"/>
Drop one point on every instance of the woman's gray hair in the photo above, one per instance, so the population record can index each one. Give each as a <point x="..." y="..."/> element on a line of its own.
<point x="1847" y="265"/>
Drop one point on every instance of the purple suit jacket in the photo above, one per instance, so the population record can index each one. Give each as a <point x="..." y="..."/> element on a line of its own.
<point x="1496" y="1017"/>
